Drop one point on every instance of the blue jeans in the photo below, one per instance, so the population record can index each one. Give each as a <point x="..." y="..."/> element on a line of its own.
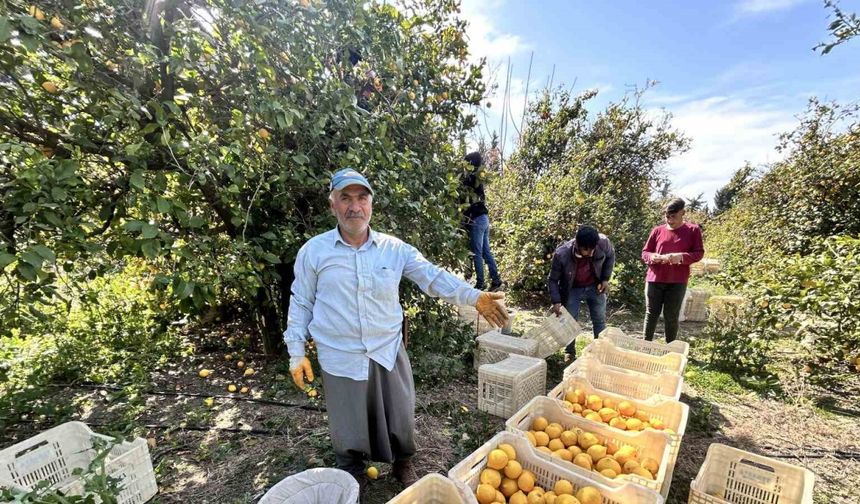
<point x="479" y="243"/>
<point x="596" y="309"/>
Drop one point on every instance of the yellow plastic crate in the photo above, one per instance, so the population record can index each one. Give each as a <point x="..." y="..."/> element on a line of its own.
<point x="493" y="346"/>
<point x="649" y="444"/>
<point x="431" y="489"/>
<point x="608" y="353"/>
<point x="554" y="333"/>
<point x="505" y="386"/>
<point x="621" y="340"/>
<point x="467" y="473"/>
<point x="732" y="476"/>
<point x="632" y="384"/>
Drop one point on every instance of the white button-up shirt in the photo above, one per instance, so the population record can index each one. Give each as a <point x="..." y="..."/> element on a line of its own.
<point x="347" y="299"/>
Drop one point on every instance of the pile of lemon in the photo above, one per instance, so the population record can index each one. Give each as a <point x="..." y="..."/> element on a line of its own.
<point x="619" y="414"/>
<point x="586" y="450"/>
<point x="505" y="481"/>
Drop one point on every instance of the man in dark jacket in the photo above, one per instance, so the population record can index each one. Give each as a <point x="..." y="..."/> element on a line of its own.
<point x="581" y="269"/>
<point x="477" y="223"/>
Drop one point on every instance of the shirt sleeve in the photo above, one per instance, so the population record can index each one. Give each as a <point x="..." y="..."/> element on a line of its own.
<point x="650" y="247"/>
<point x="552" y="280"/>
<point x="608" y="263"/>
<point x="697" y="248"/>
<point x="302" y="298"/>
<point x="435" y="281"/>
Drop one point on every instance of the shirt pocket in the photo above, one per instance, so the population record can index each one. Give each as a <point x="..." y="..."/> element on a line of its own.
<point x="386" y="284"/>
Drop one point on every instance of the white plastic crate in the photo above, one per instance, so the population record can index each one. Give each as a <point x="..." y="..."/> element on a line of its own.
<point x="732" y="476"/>
<point x="470" y="315"/>
<point x="673" y="413"/>
<point x="505" y="386"/>
<point x="608" y="353"/>
<point x="320" y="485"/>
<point x="695" y="307"/>
<point x="711" y="266"/>
<point x="648" y="444"/>
<point x="725" y="308"/>
<point x="493" y="346"/>
<point x="431" y="489"/>
<point x="554" y="333"/>
<point x="632" y="384"/>
<point x="467" y="473"/>
<point x="55" y="454"/>
<point x="622" y="340"/>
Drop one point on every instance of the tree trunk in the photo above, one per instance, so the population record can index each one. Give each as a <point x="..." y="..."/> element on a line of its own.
<point x="269" y="323"/>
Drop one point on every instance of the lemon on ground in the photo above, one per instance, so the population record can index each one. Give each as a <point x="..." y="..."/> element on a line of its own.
<point x="204" y="373"/>
<point x="372" y="472"/>
<point x="231" y="388"/>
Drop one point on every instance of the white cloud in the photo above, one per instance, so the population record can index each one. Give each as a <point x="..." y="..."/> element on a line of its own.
<point x="725" y="132"/>
<point x="764" y="6"/>
<point x="485" y="38"/>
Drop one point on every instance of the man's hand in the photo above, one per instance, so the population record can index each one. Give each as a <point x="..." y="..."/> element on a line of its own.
<point x="300" y="368"/>
<point x="489" y="307"/>
<point x="675" y="258"/>
<point x="556" y="309"/>
<point x="658" y="259"/>
<point x="603" y="287"/>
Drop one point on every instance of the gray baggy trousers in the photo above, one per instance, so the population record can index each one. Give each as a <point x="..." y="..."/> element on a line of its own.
<point x="372" y="419"/>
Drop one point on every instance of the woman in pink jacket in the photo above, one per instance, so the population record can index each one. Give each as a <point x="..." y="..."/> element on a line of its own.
<point x="670" y="250"/>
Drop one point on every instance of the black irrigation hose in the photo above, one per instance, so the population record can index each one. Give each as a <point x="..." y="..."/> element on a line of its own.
<point x="258" y="432"/>
<point x="307" y="407"/>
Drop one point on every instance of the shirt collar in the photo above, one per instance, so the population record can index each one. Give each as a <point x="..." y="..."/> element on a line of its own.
<point x="373" y="238"/>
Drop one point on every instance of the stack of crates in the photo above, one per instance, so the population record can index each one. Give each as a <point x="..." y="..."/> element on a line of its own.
<point x="617" y="367"/>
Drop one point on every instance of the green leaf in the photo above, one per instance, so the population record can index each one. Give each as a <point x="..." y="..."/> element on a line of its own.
<point x="301" y="159"/>
<point x="184" y="289"/>
<point x="45" y="252"/>
<point x="58" y="193"/>
<point x="27" y="271"/>
<point x="133" y="226"/>
<point x="272" y="258"/>
<point x="148" y="231"/>
<point x="150" y="248"/>
<point x="5" y="29"/>
<point x="163" y="205"/>
<point x="32" y="258"/>
<point x="6" y="259"/>
<point x="136" y="179"/>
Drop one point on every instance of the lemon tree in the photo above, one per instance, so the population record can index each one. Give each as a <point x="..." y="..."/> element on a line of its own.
<point x="200" y="136"/>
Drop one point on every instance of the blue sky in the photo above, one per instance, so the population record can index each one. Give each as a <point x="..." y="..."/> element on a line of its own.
<point x="733" y="74"/>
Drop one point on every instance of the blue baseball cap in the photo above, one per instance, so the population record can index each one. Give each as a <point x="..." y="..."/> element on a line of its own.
<point x="348" y="177"/>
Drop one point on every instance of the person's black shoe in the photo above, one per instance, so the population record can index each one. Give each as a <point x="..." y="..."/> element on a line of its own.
<point x="496" y="286"/>
<point x="479" y="286"/>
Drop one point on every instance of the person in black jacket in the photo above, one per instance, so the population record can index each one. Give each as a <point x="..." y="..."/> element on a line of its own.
<point x="581" y="269"/>
<point x="477" y="223"/>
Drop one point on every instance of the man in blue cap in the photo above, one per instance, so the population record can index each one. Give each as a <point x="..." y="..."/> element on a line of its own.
<point x="346" y="297"/>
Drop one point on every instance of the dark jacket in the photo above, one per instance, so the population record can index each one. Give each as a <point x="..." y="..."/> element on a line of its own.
<point x="564" y="267"/>
<point x="474" y="195"/>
